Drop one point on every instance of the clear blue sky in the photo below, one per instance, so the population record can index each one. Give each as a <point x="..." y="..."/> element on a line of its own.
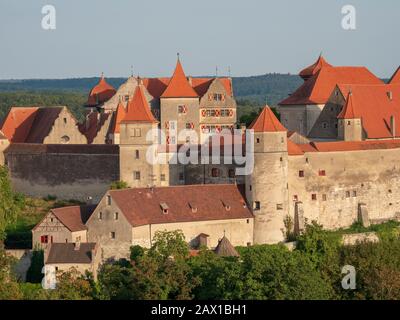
<point x="251" y="36"/>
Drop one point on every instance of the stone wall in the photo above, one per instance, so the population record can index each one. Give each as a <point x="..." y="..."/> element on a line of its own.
<point x="336" y="183"/>
<point x="66" y="171"/>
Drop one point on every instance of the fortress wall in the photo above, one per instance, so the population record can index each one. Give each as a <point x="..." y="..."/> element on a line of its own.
<point x="352" y="177"/>
<point x="66" y="171"/>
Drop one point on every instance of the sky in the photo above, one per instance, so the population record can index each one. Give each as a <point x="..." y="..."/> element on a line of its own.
<point x="251" y="37"/>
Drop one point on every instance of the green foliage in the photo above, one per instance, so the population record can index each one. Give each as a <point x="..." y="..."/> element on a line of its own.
<point x="118" y="185"/>
<point x="137" y="252"/>
<point x="71" y="285"/>
<point x="9" y="289"/>
<point x="10" y="203"/>
<point x="34" y="274"/>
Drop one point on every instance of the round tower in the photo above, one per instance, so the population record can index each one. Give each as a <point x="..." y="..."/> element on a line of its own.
<point x="267" y="186"/>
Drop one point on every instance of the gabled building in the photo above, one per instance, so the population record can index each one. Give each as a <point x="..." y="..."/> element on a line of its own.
<point x="44" y="125"/>
<point x="62" y="225"/>
<point x="360" y="112"/>
<point x="302" y="108"/>
<point x="201" y="105"/>
<point x="131" y="217"/>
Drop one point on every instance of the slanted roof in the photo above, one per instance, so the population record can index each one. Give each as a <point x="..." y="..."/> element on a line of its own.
<point x="60" y="253"/>
<point x="314" y="68"/>
<point x="42" y="124"/>
<point x="225" y="248"/>
<point x="395" y="79"/>
<point x="374" y="105"/>
<point x="318" y="89"/>
<point x="18" y="122"/>
<point x="348" y="109"/>
<point x="142" y="206"/>
<point x="179" y="86"/>
<point x="119" y="115"/>
<point x="100" y="93"/>
<point x="75" y="217"/>
<point x="138" y="108"/>
<point x="267" y="122"/>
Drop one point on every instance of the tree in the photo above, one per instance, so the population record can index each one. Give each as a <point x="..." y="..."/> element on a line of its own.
<point x="71" y="285"/>
<point x="10" y="203"/>
<point x="9" y="289"/>
<point x="117" y="185"/>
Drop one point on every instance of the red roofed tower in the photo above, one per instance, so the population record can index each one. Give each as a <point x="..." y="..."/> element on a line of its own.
<point x="266" y="186"/>
<point x="139" y="143"/>
<point x="180" y="108"/>
<point x="308" y="72"/>
<point x="350" y="124"/>
<point x="100" y="93"/>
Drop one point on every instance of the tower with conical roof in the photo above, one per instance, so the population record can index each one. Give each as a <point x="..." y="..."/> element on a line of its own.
<point x="267" y="186"/>
<point x="138" y="132"/>
<point x="349" y="122"/>
<point x="179" y="107"/>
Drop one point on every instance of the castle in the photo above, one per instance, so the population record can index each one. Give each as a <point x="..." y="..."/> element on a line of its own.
<point x="332" y="158"/>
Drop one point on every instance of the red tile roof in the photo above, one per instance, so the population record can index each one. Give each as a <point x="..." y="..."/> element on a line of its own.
<point x="143" y="206"/>
<point x="340" y="146"/>
<point x="73" y="218"/>
<point x="374" y="105"/>
<point x="319" y="87"/>
<point x="118" y="117"/>
<point x="314" y="68"/>
<point x="348" y="109"/>
<point x="100" y="93"/>
<point x="179" y="85"/>
<point x="18" y="122"/>
<point x="395" y="79"/>
<point x="267" y="122"/>
<point x="138" y="108"/>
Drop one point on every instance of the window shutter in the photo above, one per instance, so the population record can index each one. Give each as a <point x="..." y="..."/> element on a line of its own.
<point x="230" y="112"/>
<point x="209" y="97"/>
<point x="203" y="113"/>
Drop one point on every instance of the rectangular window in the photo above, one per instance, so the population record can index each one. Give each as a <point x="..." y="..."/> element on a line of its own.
<point x="109" y="200"/>
<point x="112" y="235"/>
<point x="347" y="194"/>
<point x="324" y="197"/>
<point x="314" y="197"/>
<point x="301" y="174"/>
<point x="322" y="173"/>
<point x="181" y="109"/>
<point x="215" y="172"/>
<point x="137" y="154"/>
<point x="279" y="206"/>
<point x="138" y="132"/>
<point x="181" y="176"/>
<point x="354" y="193"/>
<point x="162" y="177"/>
<point x="258" y="140"/>
<point x="100" y="215"/>
<point x="217" y="97"/>
<point x="295" y="197"/>
<point x="231" y="173"/>
<point x="136" y="175"/>
<point x="257" y="205"/>
<point x="115" y="215"/>
<point x="44" y="239"/>
<point x="65" y="120"/>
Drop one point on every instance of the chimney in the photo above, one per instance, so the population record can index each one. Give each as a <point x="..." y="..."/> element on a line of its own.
<point x="393" y="126"/>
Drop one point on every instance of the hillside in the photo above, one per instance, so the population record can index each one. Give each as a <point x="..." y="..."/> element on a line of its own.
<point x="250" y="92"/>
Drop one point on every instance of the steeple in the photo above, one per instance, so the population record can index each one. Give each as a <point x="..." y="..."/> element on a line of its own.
<point x="138" y="108"/>
<point x="101" y="92"/>
<point x="267" y="122"/>
<point x="314" y="68"/>
<point x="179" y="86"/>
<point x="348" y="110"/>
<point x="119" y="116"/>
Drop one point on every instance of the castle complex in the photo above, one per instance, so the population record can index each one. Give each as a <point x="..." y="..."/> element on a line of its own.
<point x="332" y="157"/>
